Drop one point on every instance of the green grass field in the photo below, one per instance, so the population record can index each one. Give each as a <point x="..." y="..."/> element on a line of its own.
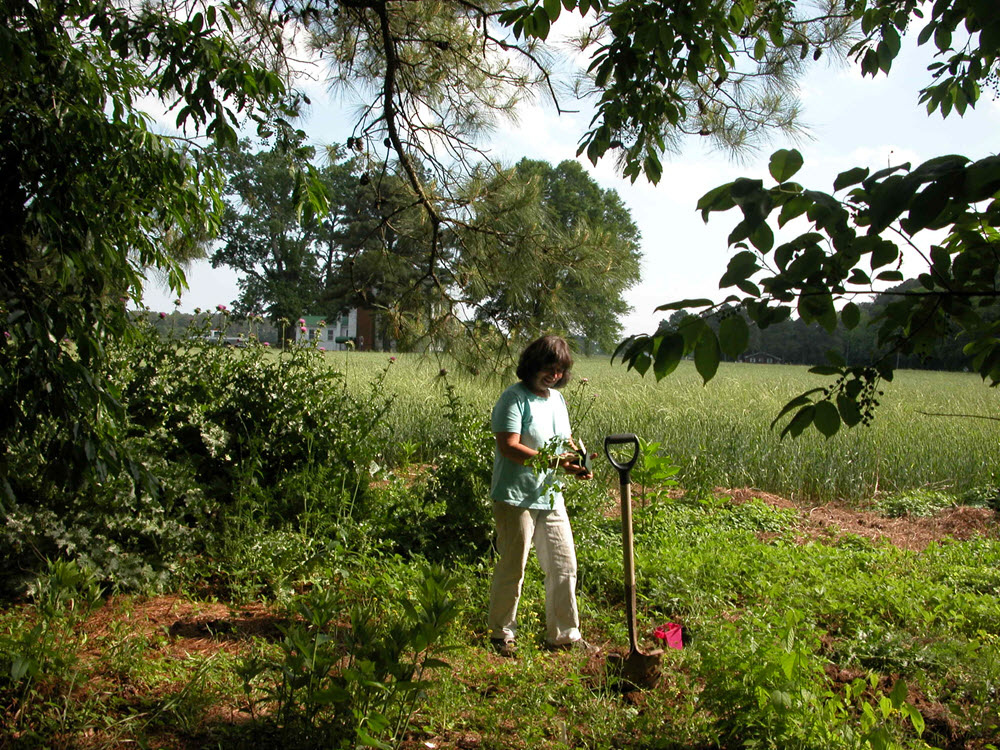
<point x="722" y="430"/>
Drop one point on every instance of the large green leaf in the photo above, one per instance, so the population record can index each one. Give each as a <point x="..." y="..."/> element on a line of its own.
<point x="825" y="370"/>
<point x="668" y="355"/>
<point x="818" y="306"/>
<point x="982" y="179"/>
<point x="793" y="208"/>
<point x="888" y="200"/>
<point x="850" y="177"/>
<point x="801" y="400"/>
<point x="641" y="362"/>
<point x="741" y="266"/>
<point x="734" y="335"/>
<point x="850" y="315"/>
<point x="707" y="354"/>
<point x="784" y="164"/>
<point x="802" y="419"/>
<point x="630" y="349"/>
<point x="826" y="418"/>
<point x="762" y="237"/>
<point x="685" y="304"/>
<point x="926" y="207"/>
<point x="883" y="254"/>
<point x="717" y="199"/>
<point x="850" y="413"/>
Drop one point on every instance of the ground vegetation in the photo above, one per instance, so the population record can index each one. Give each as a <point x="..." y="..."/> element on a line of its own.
<point x="313" y="572"/>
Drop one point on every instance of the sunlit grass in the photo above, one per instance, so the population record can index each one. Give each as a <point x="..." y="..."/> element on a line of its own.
<point x="724" y="426"/>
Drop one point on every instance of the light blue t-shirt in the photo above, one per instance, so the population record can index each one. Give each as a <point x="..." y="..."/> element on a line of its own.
<point x="537" y="420"/>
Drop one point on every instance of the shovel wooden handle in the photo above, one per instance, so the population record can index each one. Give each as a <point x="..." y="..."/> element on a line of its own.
<point x="629" y="565"/>
<point x="624" y="474"/>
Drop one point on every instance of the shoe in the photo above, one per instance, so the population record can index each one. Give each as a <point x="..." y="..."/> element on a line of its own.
<point x="506" y="649"/>
<point x="577" y="645"/>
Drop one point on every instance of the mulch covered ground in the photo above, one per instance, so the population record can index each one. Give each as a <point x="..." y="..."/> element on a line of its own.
<point x="834" y="520"/>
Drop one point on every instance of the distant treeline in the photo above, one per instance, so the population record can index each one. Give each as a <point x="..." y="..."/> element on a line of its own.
<point x="795" y="342"/>
<point x="790" y="342"/>
<point x="186" y="325"/>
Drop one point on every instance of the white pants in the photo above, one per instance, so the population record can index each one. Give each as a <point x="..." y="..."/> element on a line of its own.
<point x="517" y="528"/>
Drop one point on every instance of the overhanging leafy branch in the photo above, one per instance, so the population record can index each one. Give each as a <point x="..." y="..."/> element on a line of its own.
<point x="844" y="254"/>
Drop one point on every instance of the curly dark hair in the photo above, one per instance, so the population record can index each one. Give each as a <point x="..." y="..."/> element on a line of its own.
<point x="541" y="353"/>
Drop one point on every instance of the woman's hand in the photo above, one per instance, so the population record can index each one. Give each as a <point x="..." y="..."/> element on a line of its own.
<point x="510" y="446"/>
<point x="570" y="463"/>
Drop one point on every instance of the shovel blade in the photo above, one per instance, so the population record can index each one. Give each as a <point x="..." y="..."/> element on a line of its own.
<point x="635" y="670"/>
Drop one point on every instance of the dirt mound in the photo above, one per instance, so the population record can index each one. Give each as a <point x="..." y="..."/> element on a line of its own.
<point x="833" y="521"/>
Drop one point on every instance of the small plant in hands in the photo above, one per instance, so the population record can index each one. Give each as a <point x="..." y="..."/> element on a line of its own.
<point x="553" y="456"/>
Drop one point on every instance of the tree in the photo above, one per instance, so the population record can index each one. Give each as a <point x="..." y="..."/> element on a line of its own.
<point x="542" y="248"/>
<point x="287" y="261"/>
<point x="568" y="253"/>
<point x="367" y="250"/>
<point x="91" y="196"/>
<point x="383" y="259"/>
<point x="853" y="241"/>
<point x="661" y="71"/>
<point x="431" y="78"/>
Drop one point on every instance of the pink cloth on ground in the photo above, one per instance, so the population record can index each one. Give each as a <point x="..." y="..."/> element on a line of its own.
<point x="671" y="634"/>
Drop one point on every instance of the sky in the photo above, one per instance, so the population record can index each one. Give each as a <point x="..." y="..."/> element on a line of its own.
<point x="851" y="121"/>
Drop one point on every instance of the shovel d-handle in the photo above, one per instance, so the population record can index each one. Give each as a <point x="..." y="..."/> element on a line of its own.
<point x="624" y="470"/>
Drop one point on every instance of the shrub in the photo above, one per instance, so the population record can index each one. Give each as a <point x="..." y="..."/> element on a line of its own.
<point x="448" y="514"/>
<point x="222" y="443"/>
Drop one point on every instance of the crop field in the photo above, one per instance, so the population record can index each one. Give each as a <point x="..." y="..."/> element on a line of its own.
<point x="721" y="431"/>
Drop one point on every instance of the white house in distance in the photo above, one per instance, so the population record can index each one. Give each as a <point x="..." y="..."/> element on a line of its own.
<point x="356" y="324"/>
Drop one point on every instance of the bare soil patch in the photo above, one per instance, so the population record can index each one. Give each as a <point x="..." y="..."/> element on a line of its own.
<point x="833" y="521"/>
<point x="183" y="627"/>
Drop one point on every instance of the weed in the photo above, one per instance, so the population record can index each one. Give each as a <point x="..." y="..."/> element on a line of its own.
<point x="356" y="682"/>
<point x="917" y="502"/>
<point x="653" y="472"/>
<point x="40" y="665"/>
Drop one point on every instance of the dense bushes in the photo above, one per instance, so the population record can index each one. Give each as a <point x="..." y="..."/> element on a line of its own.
<point x="221" y="443"/>
<point x="239" y="459"/>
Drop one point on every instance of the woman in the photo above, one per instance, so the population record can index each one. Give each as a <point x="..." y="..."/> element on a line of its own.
<point x="528" y="505"/>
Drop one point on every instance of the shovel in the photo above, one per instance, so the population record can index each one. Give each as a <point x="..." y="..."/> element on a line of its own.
<point x="636" y="669"/>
